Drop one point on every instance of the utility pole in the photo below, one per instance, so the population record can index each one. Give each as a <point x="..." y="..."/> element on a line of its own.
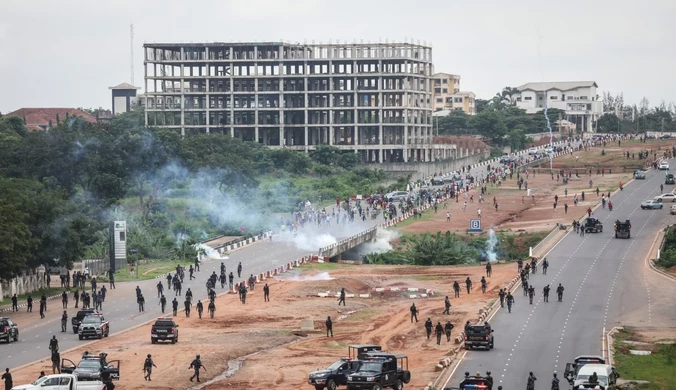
<point x="131" y="48"/>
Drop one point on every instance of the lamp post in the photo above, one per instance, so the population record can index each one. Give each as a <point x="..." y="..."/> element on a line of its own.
<point x="135" y="252"/>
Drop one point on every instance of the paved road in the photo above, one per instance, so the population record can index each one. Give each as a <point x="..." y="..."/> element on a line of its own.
<point x="606" y="284"/>
<point x="120" y="307"/>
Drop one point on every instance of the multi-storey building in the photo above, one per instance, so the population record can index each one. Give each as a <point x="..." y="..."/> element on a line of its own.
<point x="448" y="96"/>
<point x="373" y="99"/>
<point x="578" y="99"/>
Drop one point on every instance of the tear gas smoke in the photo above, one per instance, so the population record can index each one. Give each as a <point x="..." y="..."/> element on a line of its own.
<point x="308" y="241"/>
<point x="491" y="243"/>
<point x="380" y="245"/>
<point x="211" y="252"/>
<point x="311" y="278"/>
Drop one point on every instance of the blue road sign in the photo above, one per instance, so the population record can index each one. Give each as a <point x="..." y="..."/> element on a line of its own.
<point x="475" y="226"/>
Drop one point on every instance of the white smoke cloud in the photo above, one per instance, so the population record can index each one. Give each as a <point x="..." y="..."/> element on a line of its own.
<point x="308" y="241"/>
<point x="309" y="278"/>
<point x="491" y="243"/>
<point x="380" y="245"/>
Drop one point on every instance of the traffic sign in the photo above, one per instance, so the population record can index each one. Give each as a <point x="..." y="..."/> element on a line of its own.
<point x="475" y="226"/>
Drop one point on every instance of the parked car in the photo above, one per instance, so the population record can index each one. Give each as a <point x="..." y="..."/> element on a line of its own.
<point x="8" y="330"/>
<point x="651" y="204"/>
<point x="664" y="166"/>
<point x="60" y="382"/>
<point x="673" y="209"/>
<point x="668" y="197"/>
<point x="397" y="196"/>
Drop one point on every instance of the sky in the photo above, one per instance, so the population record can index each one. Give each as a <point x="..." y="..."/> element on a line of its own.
<point x="67" y="53"/>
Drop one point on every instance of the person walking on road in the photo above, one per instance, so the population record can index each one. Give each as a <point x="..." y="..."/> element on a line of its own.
<point x="174" y="306"/>
<point x="341" y="299"/>
<point x="196" y="364"/>
<point x="200" y="308"/>
<point x="439" y="331"/>
<point x="239" y="270"/>
<point x="187" y="304"/>
<point x="15" y="303"/>
<point x="510" y="301"/>
<point x="545" y="265"/>
<point x="148" y="365"/>
<point x="329" y="326"/>
<point x="447" y="306"/>
<point x="56" y="362"/>
<point x="64" y="300"/>
<point x="531" y="294"/>
<point x="29" y="304"/>
<point x="64" y="321"/>
<point x="502" y="295"/>
<point x="555" y="383"/>
<point x="141" y="303"/>
<point x="545" y="293"/>
<point x="559" y="292"/>
<point x="7" y="377"/>
<point x="163" y="303"/>
<point x="531" y="382"/>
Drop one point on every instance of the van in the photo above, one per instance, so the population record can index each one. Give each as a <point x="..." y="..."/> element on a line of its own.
<point x="607" y="375"/>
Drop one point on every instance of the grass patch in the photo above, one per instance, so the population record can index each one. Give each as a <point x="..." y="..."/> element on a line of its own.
<point x="658" y="368"/>
<point x="425" y="216"/>
<point x="320" y="266"/>
<point x="424" y="277"/>
<point x="362" y="315"/>
<point x="147" y="269"/>
<point x="334" y="345"/>
<point x="36" y="295"/>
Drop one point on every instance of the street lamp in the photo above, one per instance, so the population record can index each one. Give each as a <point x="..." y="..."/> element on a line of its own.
<point x="135" y="252"/>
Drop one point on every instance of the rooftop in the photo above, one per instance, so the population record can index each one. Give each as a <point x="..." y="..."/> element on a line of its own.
<point x="124" y="86"/>
<point x="560" y="85"/>
<point x="278" y="43"/>
<point x="42" y="118"/>
<point x="437" y="75"/>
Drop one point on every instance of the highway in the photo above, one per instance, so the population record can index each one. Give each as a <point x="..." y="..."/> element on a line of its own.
<point x="120" y="307"/>
<point x="606" y="284"/>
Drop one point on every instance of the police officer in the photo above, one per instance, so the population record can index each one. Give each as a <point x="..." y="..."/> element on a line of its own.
<point x="428" y="327"/>
<point x="212" y="295"/>
<point x="414" y="313"/>
<point x="160" y="289"/>
<point x="64" y="321"/>
<point x="239" y="270"/>
<point x="42" y="309"/>
<point x="341" y="299"/>
<point x="439" y="331"/>
<point x="468" y="284"/>
<point x="489" y="269"/>
<point x="531" y="294"/>
<point x="187" y="305"/>
<point x="29" y="304"/>
<point x="545" y="293"/>
<point x="231" y="279"/>
<point x="56" y="360"/>
<point x="594" y="378"/>
<point x="447" y="306"/>
<point x="64" y="300"/>
<point x="502" y="294"/>
<point x="174" y="306"/>
<point x="188" y="295"/>
<point x="524" y="284"/>
<point x="559" y="292"/>
<point x="141" y="303"/>
<point x="456" y="289"/>
<point x="243" y="294"/>
<point x="222" y="267"/>
<point x="7" y="377"/>
<point x="197" y="263"/>
<point x="223" y="279"/>
<point x="510" y="301"/>
<point x="483" y="284"/>
<point x="329" y="326"/>
<point x="196" y="364"/>
<point x="163" y="303"/>
<point x="148" y="365"/>
<point x="531" y="382"/>
<point x="489" y="378"/>
<point x="212" y="308"/>
<point x="54" y="344"/>
<point x="266" y="293"/>
<point x="252" y="282"/>
<point x="191" y="270"/>
<point x="555" y="383"/>
<point x="545" y="265"/>
<point x="448" y="328"/>
<point x="200" y="308"/>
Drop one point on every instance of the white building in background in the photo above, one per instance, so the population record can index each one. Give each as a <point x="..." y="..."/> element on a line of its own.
<point x="578" y="99"/>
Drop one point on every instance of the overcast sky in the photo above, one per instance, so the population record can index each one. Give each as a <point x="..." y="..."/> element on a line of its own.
<point x="67" y="53"/>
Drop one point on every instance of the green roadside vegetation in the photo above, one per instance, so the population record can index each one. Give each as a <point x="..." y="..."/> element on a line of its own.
<point x="658" y="368"/>
<point x="36" y="296"/>
<point x="147" y="269"/>
<point x="668" y="254"/>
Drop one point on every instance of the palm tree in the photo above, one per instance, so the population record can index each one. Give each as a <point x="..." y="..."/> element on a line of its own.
<point x="509" y="95"/>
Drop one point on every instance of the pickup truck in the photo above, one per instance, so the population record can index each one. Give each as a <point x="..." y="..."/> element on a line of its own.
<point x="579" y="372"/>
<point x="593" y="225"/>
<point x="164" y="329"/>
<point x="61" y="382"/>
<point x="8" y="330"/>
<point x="334" y="375"/>
<point x="75" y="321"/>
<point x="92" y="368"/>
<point x="478" y="336"/>
<point x="380" y="369"/>
<point x="622" y="229"/>
<point x="94" y="325"/>
<point x="473" y="382"/>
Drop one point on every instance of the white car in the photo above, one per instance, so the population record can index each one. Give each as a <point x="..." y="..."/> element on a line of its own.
<point x="669" y="197"/>
<point x="664" y="166"/>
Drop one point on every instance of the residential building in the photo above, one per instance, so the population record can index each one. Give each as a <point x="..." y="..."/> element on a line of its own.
<point x="372" y="99"/>
<point x="124" y="98"/>
<point x="448" y="96"/>
<point x="43" y="119"/>
<point x="578" y="99"/>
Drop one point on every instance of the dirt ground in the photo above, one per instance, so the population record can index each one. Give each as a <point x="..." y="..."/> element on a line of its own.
<point x="260" y="344"/>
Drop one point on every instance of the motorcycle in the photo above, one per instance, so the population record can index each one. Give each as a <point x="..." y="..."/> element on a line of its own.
<point x="610" y="206"/>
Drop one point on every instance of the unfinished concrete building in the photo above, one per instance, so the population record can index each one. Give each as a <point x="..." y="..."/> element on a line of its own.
<point x="371" y="99"/>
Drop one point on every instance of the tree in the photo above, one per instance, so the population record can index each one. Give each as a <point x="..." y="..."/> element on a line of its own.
<point x="455" y="123"/>
<point x="517" y="139"/>
<point x="490" y="125"/>
<point x="509" y="95"/>
<point x="608" y="123"/>
<point x="326" y="154"/>
<point x="481" y="104"/>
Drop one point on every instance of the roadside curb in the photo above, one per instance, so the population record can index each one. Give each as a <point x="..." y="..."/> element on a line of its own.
<point x="650" y="262"/>
<point x="21" y="306"/>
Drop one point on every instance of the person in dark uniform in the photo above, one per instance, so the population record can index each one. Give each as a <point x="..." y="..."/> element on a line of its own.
<point x="15" y="303"/>
<point x="29" y="304"/>
<point x="531" y="294"/>
<point x="447" y="306"/>
<point x="414" y="313"/>
<point x="252" y="282"/>
<point x="439" y="331"/>
<point x="53" y="344"/>
<point x="141" y="303"/>
<point x="329" y="326"/>
<point x="56" y="360"/>
<point x="468" y="284"/>
<point x="197" y="263"/>
<point x="510" y="301"/>
<point x="111" y="278"/>
<point x="559" y="292"/>
<point x="448" y="328"/>
<point x="160" y="289"/>
<point x="7" y="377"/>
<point x="483" y="285"/>
<point x="212" y="309"/>
<point x="594" y="378"/>
<point x="266" y="293"/>
<point x="545" y="293"/>
<point x="200" y="308"/>
<point x="489" y="269"/>
<point x="456" y="289"/>
<point x="502" y="294"/>
<point x="148" y="365"/>
<point x="109" y="383"/>
<point x="342" y="297"/>
<point x="196" y="364"/>
<point x="42" y="309"/>
<point x="223" y="279"/>
<point x="191" y="270"/>
<point x="239" y="270"/>
<point x="428" y="327"/>
<point x="187" y="304"/>
<point x="163" y="303"/>
<point x="545" y="265"/>
<point x="531" y="382"/>
<point x="64" y="321"/>
<point x="524" y="284"/>
<point x="231" y="279"/>
<point x="489" y="378"/>
<point x="174" y="306"/>
<point x="555" y="383"/>
<point x="243" y="295"/>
